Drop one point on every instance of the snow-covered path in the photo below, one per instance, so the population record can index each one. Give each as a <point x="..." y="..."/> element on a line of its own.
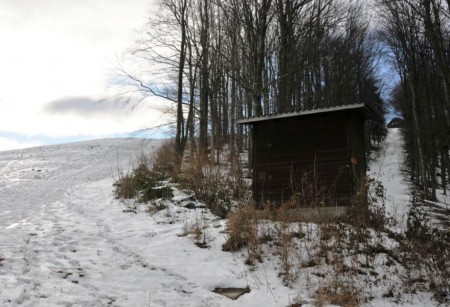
<point x="65" y="241"/>
<point x="56" y="248"/>
<point x="389" y="169"/>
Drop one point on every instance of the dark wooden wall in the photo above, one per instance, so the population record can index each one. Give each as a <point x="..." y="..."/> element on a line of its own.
<point x="319" y="145"/>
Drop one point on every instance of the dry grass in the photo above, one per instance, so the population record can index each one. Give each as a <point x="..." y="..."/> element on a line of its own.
<point x="218" y="187"/>
<point x="426" y="251"/>
<point x="339" y="251"/>
<point x="142" y="184"/>
<point x="340" y="297"/>
<point x="165" y="160"/>
<point x="308" y="192"/>
<point x="243" y="232"/>
<point x="343" y="249"/>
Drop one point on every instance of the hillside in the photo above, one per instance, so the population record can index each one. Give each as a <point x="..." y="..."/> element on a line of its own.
<point x="65" y="240"/>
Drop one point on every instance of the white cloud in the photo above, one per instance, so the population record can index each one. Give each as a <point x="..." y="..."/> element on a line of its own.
<point x="56" y="49"/>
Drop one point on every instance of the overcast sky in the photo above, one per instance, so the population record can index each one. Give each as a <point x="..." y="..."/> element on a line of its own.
<point x="56" y="58"/>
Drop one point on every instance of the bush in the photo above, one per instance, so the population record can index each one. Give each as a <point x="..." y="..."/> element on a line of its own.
<point x="243" y="232"/>
<point x="368" y="205"/>
<point x="142" y="184"/>
<point x="215" y="186"/>
<point x="165" y="160"/>
<point x="428" y="248"/>
<point x="340" y="296"/>
<point x="308" y="192"/>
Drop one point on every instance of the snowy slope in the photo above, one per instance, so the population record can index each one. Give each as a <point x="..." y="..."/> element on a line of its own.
<point x="389" y="168"/>
<point x="43" y="225"/>
<point x="66" y="241"/>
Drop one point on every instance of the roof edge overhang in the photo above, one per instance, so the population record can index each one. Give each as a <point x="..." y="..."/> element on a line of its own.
<point x="365" y="109"/>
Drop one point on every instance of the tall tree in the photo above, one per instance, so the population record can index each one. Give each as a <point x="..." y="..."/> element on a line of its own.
<point x="416" y="33"/>
<point x="220" y="60"/>
<point x="204" y="9"/>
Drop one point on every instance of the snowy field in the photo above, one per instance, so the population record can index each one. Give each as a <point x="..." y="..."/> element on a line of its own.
<point x="65" y="240"/>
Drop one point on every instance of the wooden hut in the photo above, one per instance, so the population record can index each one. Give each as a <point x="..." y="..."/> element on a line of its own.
<point x="319" y="148"/>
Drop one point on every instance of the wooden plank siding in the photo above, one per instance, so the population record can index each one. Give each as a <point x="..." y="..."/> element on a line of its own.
<point x="319" y="145"/>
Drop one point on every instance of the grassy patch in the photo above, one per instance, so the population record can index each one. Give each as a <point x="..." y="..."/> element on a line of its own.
<point x="143" y="185"/>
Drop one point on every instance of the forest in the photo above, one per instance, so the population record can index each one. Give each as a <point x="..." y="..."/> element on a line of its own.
<point x="216" y="61"/>
<point x="416" y="36"/>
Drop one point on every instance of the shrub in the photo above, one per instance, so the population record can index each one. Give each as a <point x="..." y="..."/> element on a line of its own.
<point x="165" y="160"/>
<point x="359" y="204"/>
<point x="341" y="296"/>
<point x="308" y="192"/>
<point x="143" y="185"/>
<point x="243" y="232"/>
<point x="428" y="248"/>
<point x="367" y="205"/>
<point x="215" y="186"/>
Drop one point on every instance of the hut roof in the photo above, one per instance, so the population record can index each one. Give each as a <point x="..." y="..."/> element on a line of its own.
<point x="366" y="111"/>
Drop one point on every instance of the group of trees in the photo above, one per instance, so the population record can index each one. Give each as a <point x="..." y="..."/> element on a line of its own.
<point x="221" y="60"/>
<point x="416" y="34"/>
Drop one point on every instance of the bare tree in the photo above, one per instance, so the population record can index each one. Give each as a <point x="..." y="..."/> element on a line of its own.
<point x="417" y="34"/>
<point x="218" y="60"/>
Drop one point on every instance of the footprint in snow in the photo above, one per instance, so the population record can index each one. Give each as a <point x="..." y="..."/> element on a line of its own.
<point x="75" y="263"/>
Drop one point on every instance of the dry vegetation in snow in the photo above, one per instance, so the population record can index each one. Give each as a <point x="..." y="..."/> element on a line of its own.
<point x="356" y="260"/>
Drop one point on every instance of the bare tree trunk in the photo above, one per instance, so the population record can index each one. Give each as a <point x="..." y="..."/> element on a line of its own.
<point x="204" y="90"/>
<point x="444" y="170"/>
<point x="417" y="127"/>
<point x="190" y="120"/>
<point x="179" y="137"/>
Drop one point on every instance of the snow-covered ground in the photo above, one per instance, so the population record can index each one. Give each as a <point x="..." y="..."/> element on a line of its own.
<point x="389" y="168"/>
<point x="65" y="240"/>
